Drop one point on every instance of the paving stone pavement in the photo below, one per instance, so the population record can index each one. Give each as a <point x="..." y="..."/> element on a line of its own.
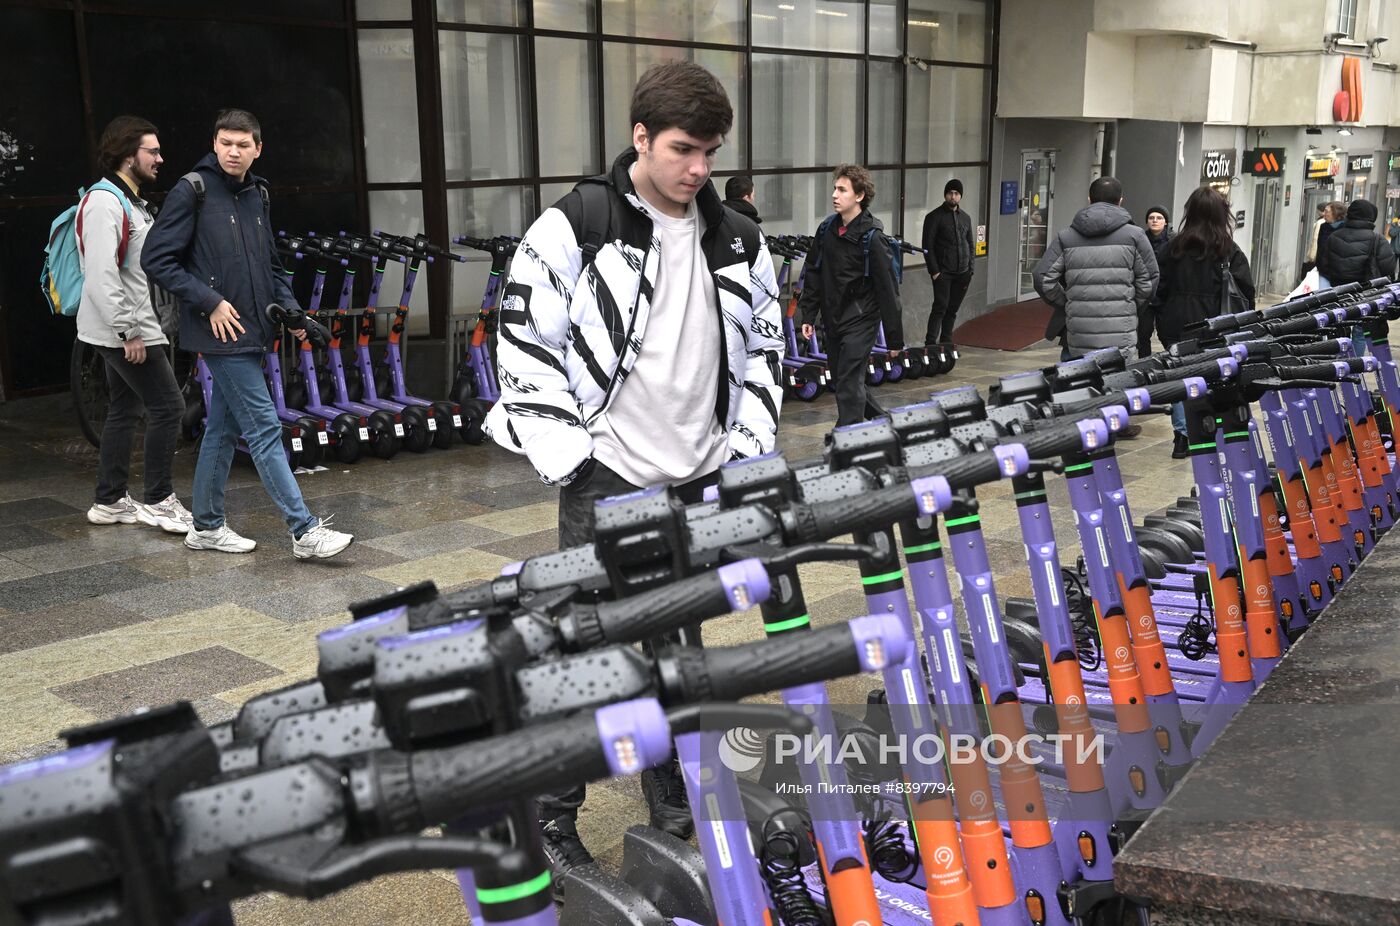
<point x="96" y="621"/>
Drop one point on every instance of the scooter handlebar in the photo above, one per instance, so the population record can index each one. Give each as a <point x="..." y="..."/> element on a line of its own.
<point x="735" y="587"/>
<point x="865" y="644"/>
<point x="619" y="739"/>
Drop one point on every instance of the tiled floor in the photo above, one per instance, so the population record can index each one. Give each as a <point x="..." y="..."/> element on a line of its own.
<point x="96" y="621"/>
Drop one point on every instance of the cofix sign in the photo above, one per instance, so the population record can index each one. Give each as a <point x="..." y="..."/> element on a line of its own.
<point x="1264" y="162"/>
<point x="1218" y="165"/>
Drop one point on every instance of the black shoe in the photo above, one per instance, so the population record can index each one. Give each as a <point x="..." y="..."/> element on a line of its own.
<point x="1179" y="447"/>
<point x="1131" y="432"/>
<point x="564" y="850"/>
<point x="665" y="795"/>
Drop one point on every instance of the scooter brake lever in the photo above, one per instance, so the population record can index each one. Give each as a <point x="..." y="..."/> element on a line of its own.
<point x="795" y="556"/>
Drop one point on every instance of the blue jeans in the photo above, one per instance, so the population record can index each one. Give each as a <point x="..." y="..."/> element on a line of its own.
<point x="240" y="403"/>
<point x="1179" y="417"/>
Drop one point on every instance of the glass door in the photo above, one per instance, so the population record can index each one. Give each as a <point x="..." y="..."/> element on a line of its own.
<point x="1037" y="195"/>
<point x="1267" y="193"/>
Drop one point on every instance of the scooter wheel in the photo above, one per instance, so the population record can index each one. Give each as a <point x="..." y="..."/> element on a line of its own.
<point x="947" y="359"/>
<point x="874" y="375"/>
<point x="463" y="389"/>
<point x="312" y="452"/>
<point x="383" y="441"/>
<point x="325" y="381"/>
<point x="913" y="365"/>
<point x="295" y="394"/>
<point x="192" y="421"/>
<point x="290" y="448"/>
<point x="345" y="434"/>
<point x="473" y="414"/>
<point x="415" y="422"/>
<point x="806" y="390"/>
<point x="442" y="437"/>
<point x="895" y="372"/>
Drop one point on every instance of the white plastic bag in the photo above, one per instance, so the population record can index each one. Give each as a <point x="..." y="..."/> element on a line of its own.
<point x="1313" y="282"/>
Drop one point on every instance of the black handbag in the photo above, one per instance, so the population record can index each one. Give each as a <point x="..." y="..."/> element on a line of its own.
<point x="1231" y="299"/>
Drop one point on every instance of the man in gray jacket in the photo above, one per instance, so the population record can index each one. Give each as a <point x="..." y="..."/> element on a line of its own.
<point x="117" y="317"/>
<point x="1096" y="274"/>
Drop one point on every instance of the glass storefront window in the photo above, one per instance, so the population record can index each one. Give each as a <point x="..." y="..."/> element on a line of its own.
<point x="484" y="106"/>
<point x="949" y="30"/>
<point x="821" y="25"/>
<point x="792" y="204"/>
<point x="484" y="212"/>
<point x="886" y="28"/>
<point x="885" y="203"/>
<point x="568" y="107"/>
<point x="886" y="89"/>
<point x="716" y="21"/>
<point x="812" y="110"/>
<point x="391" y="122"/>
<point x="370" y="10"/>
<point x="482" y="12"/>
<point x="570" y="15"/>
<point x="947" y="115"/>
<point x="624" y="63"/>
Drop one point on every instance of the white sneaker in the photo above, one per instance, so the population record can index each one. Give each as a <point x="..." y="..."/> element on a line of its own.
<point x="122" y="511"/>
<point x="168" y="515"/>
<point x="221" y="538"/>
<point x="321" y="542"/>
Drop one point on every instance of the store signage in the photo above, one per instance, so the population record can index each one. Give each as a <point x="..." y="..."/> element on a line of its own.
<point x="1392" y="192"/>
<point x="1361" y="162"/>
<point x="1239" y="219"/>
<point x="1319" y="168"/>
<point x="1010" y="196"/>
<point x="1264" y="162"/>
<point x="1394" y="162"/>
<point x="1218" y="165"/>
<point x="981" y="247"/>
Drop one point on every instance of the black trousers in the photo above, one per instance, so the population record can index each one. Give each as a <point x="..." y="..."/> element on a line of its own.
<point x="948" y="292"/>
<point x="1147" y="320"/>
<point x="130" y="387"/>
<point x="848" y="353"/>
<point x="576" y="502"/>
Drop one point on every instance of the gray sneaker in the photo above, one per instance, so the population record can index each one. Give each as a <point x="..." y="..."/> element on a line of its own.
<point x="122" y="511"/>
<point x="168" y="515"/>
<point x="222" y="538"/>
<point x="321" y="542"/>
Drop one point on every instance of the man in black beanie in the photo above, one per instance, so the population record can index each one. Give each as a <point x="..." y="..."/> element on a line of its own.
<point x="948" y="240"/>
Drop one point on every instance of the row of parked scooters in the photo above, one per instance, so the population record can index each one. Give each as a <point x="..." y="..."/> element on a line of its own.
<point x="462" y="707"/>
<point x="343" y="410"/>
<point x="806" y="370"/>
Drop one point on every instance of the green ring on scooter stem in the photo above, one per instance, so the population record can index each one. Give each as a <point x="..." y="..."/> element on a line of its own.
<point x="513" y="892"/>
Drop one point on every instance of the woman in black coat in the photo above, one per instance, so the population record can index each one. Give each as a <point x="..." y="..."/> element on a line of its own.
<point x="1195" y="269"/>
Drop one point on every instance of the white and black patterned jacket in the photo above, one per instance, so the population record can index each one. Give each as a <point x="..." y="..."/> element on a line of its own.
<point x="569" y="333"/>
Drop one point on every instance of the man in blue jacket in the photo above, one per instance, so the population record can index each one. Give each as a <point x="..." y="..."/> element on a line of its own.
<point x="212" y="247"/>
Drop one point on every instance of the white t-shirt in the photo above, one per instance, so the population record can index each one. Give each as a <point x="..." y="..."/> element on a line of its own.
<point x="661" y="427"/>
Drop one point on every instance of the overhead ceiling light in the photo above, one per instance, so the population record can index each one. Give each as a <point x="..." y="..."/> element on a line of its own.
<point x="923" y="22"/>
<point x="1344" y="131"/>
<point x="786" y="6"/>
<point x="822" y="12"/>
<point x="763" y="16"/>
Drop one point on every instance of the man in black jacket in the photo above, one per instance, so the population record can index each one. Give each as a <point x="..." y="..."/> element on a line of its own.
<point x="947" y="240"/>
<point x="853" y="294"/>
<point x="1355" y="252"/>
<point x="214" y="251"/>
<point x="738" y="195"/>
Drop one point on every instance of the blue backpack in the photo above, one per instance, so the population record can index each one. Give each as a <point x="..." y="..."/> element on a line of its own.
<point x="61" y="279"/>
<point x="896" y="253"/>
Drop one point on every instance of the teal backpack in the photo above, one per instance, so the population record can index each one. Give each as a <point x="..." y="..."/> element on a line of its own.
<point x="62" y="276"/>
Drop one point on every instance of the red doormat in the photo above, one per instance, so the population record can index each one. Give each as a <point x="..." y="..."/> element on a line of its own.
<point x="1015" y="326"/>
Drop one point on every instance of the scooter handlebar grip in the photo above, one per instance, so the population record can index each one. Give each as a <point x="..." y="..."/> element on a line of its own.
<point x="864" y="645"/>
<point x="619" y="739"/>
<point x="1320" y="371"/>
<point x="1061" y="438"/>
<point x="1299" y="325"/>
<point x="735" y="587"/>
